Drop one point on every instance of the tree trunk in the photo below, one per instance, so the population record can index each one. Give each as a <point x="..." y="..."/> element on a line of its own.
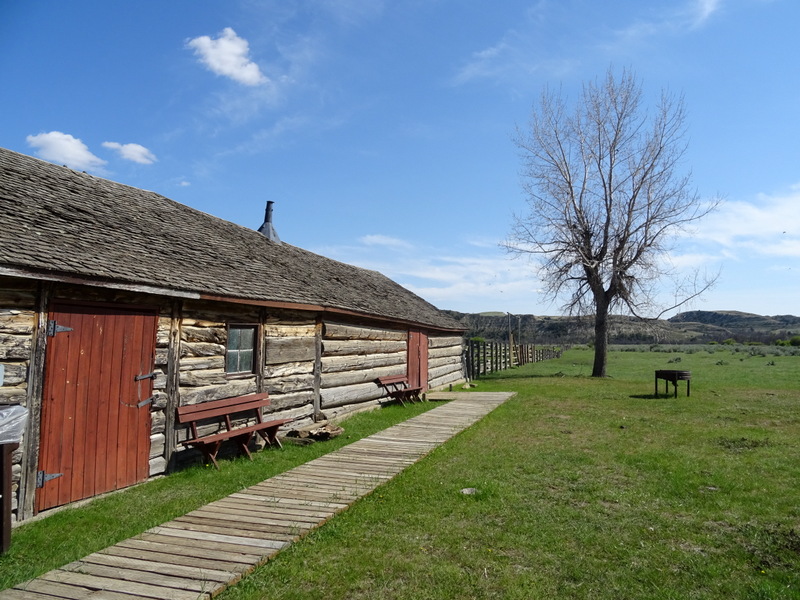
<point x="600" y="338"/>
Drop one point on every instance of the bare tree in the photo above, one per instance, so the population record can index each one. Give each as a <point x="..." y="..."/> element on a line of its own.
<point x="606" y="198"/>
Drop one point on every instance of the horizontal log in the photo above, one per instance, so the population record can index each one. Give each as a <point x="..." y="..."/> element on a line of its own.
<point x="442" y="371"/>
<point x="282" y="402"/>
<point x="202" y="378"/>
<point x="157" y="421"/>
<point x="195" y="363"/>
<point x="157" y="443"/>
<point x="444" y="360"/>
<point x="201" y="349"/>
<point x="290" y="349"/>
<point x="162" y="356"/>
<point x="15" y="321"/>
<point x="334" y="364"/>
<point x="15" y="346"/>
<point x="13" y="395"/>
<point x="361" y="347"/>
<point x="439" y="342"/>
<point x="330" y="380"/>
<point x="288" y="369"/>
<point x="202" y="312"/>
<point x="190" y="322"/>
<point x="160" y="380"/>
<point x="159" y="401"/>
<point x="298" y="317"/>
<point x="13" y="294"/>
<point x="341" y="331"/>
<point x="452" y="378"/>
<point x="162" y="338"/>
<point x="232" y="388"/>
<point x="290" y="330"/>
<point x="445" y="351"/>
<point x="361" y="392"/>
<point x="14" y="373"/>
<point x="285" y="385"/>
<point x="215" y="335"/>
<point x="158" y="465"/>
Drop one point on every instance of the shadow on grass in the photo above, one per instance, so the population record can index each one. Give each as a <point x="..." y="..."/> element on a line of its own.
<point x="652" y="397"/>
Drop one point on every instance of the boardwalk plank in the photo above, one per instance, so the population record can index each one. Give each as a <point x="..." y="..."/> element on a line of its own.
<point x="161" y="568"/>
<point x="120" y="585"/>
<point x="155" y="553"/>
<point x="134" y="575"/>
<point x="252" y="543"/>
<point x="196" y="555"/>
<point x="232" y="551"/>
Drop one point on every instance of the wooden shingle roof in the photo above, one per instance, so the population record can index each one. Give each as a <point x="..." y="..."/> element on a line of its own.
<point x="59" y="222"/>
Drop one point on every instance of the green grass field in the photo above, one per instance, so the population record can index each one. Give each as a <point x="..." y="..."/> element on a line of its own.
<point x="587" y="488"/>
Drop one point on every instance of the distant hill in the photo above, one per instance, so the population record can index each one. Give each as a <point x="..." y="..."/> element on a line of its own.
<point x="693" y="327"/>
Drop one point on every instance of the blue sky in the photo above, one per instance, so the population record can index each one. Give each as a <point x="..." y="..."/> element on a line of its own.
<point x="383" y="130"/>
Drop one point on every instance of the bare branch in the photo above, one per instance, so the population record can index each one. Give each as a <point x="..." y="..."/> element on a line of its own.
<point x="606" y="198"/>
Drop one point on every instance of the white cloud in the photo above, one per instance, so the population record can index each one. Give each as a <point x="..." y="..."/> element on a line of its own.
<point x="512" y="59"/>
<point x="767" y="225"/>
<point x="463" y="281"/>
<point x="228" y="55"/>
<point x="62" y="148"/>
<point x="701" y="11"/>
<point x="384" y="240"/>
<point x="133" y="152"/>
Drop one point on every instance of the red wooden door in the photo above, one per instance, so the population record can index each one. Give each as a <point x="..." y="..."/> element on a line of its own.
<point x="417" y="370"/>
<point x="95" y="429"/>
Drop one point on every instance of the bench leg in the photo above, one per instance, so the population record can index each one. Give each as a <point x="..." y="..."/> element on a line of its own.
<point x="210" y="452"/>
<point x="243" y="441"/>
<point x="271" y="436"/>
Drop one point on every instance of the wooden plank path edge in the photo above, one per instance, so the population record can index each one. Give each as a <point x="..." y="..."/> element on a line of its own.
<point x="196" y="556"/>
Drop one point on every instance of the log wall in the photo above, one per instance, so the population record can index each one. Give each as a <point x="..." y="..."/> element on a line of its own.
<point x="17" y="323"/>
<point x="353" y="356"/>
<point x="445" y="361"/>
<point x="311" y="368"/>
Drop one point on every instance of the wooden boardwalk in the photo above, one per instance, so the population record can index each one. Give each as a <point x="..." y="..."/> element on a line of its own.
<point x="198" y="555"/>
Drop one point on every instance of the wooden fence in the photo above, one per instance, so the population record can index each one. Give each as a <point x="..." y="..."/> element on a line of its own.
<point x="487" y="357"/>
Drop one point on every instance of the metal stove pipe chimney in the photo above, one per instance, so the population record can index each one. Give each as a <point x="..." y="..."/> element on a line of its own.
<point x="266" y="229"/>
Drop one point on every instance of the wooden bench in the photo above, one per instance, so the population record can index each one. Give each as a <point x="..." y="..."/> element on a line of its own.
<point x="397" y="388"/>
<point x="223" y="411"/>
<point x="674" y="376"/>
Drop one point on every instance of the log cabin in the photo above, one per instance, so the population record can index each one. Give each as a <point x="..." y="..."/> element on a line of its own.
<point x="118" y="305"/>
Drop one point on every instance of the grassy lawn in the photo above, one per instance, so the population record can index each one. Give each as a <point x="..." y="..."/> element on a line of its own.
<point x="586" y="489"/>
<point x="70" y="534"/>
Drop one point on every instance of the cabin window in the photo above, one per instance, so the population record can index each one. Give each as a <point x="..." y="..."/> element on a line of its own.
<point x="241" y="350"/>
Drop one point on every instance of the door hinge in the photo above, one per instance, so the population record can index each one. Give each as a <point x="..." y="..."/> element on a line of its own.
<point x="42" y="478"/>
<point x="54" y="328"/>
<point x="152" y="375"/>
<point x="146" y="402"/>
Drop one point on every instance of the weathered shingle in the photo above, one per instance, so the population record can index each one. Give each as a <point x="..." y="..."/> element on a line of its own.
<point x="61" y="221"/>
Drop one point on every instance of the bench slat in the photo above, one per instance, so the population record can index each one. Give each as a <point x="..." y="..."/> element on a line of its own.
<point x="218" y="408"/>
<point x="240" y="431"/>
